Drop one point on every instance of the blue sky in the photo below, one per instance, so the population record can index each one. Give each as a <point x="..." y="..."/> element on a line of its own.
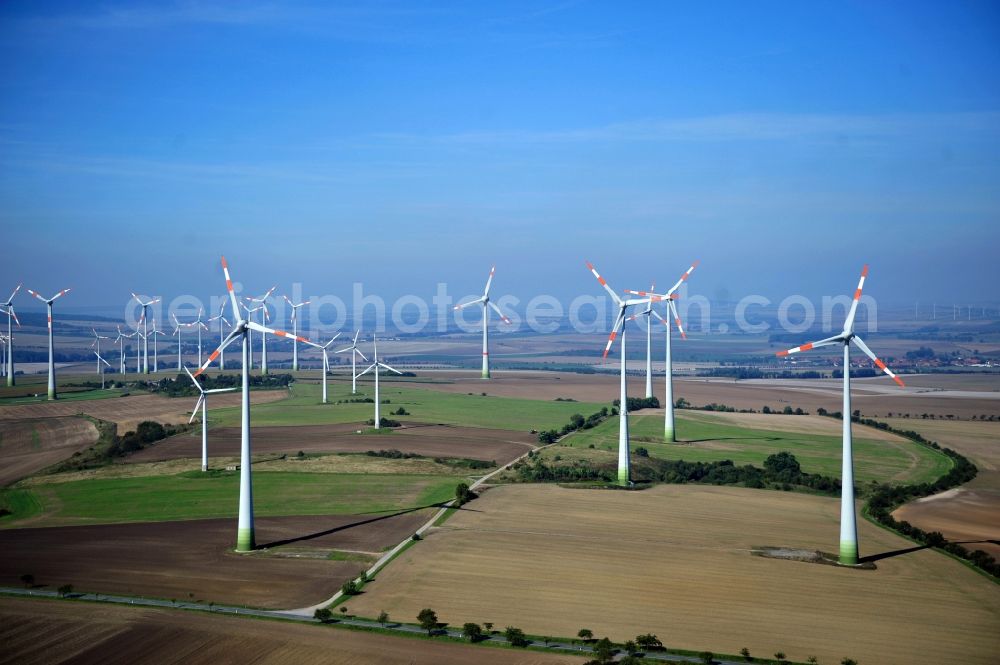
<point x="401" y="144"/>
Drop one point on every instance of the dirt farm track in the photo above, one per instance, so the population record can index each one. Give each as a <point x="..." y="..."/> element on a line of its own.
<point x="88" y="633"/>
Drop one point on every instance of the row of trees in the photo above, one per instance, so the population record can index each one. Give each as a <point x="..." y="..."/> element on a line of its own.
<point x="576" y="422"/>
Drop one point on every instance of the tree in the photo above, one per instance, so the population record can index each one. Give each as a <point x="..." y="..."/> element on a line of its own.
<point x="28" y="579"/>
<point x="515" y="636"/>
<point x="65" y="590"/>
<point x="848" y="661"/>
<point x="472" y="631"/>
<point x="428" y="620"/>
<point x="604" y="650"/>
<point x="350" y="588"/>
<point x="812" y="660"/>
<point x="707" y="657"/>
<point x="649" y="641"/>
<point x="779" y="656"/>
<point x="463" y="494"/>
<point x="383" y="618"/>
<point x="585" y="634"/>
<point x="746" y="654"/>
<point x="488" y="625"/>
<point x="323" y="615"/>
<point x="630" y="647"/>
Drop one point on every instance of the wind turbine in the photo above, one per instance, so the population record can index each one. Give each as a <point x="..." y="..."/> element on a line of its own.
<point x="156" y="331"/>
<point x="245" y="541"/>
<point x="97" y="345"/>
<point x="376" y="365"/>
<point x="221" y="319"/>
<point x="848" y="519"/>
<point x="99" y="368"/>
<point x="669" y="433"/>
<point x="326" y="359"/>
<point x="295" y="346"/>
<point x="9" y="306"/>
<point x="355" y="352"/>
<point x="120" y="341"/>
<point x="52" y="365"/>
<point x="138" y="334"/>
<point x="197" y="324"/>
<point x="649" y="339"/>
<point x="145" y="330"/>
<point x="624" y="464"/>
<point x="203" y="403"/>
<point x="485" y="301"/>
<point x="263" y="319"/>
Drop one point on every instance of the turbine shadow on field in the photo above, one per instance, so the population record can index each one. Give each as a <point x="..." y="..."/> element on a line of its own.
<point x="734" y="438"/>
<point x="907" y="550"/>
<point x="344" y="527"/>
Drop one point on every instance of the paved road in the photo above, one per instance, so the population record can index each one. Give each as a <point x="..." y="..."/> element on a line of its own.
<point x="565" y="647"/>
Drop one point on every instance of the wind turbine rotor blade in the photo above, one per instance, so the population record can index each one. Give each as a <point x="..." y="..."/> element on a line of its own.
<point x="878" y="363"/>
<point x="60" y="294"/>
<point x="849" y="323"/>
<point x="197" y="405"/>
<point x="330" y="341"/>
<point x="38" y="296"/>
<point x="489" y="281"/>
<point x="619" y="322"/>
<point x="477" y="301"/>
<point x="363" y="356"/>
<point x="662" y="320"/>
<point x="811" y="345"/>
<point x="496" y="309"/>
<point x="370" y="368"/>
<point x="229" y="288"/>
<point x="677" y="318"/>
<point x="280" y="333"/>
<point x="235" y="334"/>
<point x="194" y="380"/>
<point x="13" y="294"/>
<point x="14" y="314"/>
<point x="356" y="336"/>
<point x="683" y="278"/>
<point x="391" y="369"/>
<point x="604" y="283"/>
<point x="220" y="390"/>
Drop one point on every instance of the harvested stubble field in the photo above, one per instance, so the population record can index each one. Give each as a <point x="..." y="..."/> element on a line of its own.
<point x="427" y="440"/>
<point x="95" y="633"/>
<point x="748" y="438"/>
<point x="129" y="411"/>
<point x="969" y="513"/>
<point x="675" y="561"/>
<point x="172" y="560"/>
<point x="32" y="444"/>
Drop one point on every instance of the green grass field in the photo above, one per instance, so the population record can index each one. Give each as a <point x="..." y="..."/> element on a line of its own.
<point x="194" y="495"/>
<point x="303" y="407"/>
<point x="708" y="441"/>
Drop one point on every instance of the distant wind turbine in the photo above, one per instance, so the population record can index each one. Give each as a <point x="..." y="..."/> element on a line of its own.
<point x="99" y="368"/>
<point x="145" y="329"/>
<point x="355" y="352"/>
<point x="262" y="305"/>
<point x="295" y="331"/>
<point x="52" y="364"/>
<point x="376" y="365"/>
<point x="326" y="359"/>
<point x="222" y="320"/>
<point x="848" y="519"/>
<point x="484" y="300"/>
<point x="97" y="346"/>
<point x="9" y="306"/>
<point x="203" y="404"/>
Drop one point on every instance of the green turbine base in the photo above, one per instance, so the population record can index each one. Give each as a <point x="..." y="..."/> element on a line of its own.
<point x="245" y="540"/>
<point x="668" y="435"/>
<point x="848" y="554"/>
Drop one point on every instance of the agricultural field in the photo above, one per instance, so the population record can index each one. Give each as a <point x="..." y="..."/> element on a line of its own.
<point x="969" y="513"/>
<point x="93" y="633"/>
<point x="31" y="444"/>
<point x="435" y="440"/>
<point x="676" y="560"/>
<point x="750" y="438"/>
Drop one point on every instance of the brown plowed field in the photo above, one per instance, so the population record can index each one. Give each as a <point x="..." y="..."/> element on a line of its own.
<point x="676" y="560"/>
<point x="46" y="632"/>
<point x="970" y="512"/>
<point x="29" y="445"/>
<point x="129" y="411"/>
<point x="175" y="559"/>
<point x="428" y="440"/>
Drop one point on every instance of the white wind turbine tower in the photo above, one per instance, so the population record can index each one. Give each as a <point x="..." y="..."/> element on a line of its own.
<point x="484" y="300"/>
<point x="264" y="316"/>
<point x="203" y="404"/>
<point x="9" y="365"/>
<point x="52" y="365"/>
<point x="376" y="365"/>
<point x="138" y="334"/>
<point x="669" y="432"/>
<point x="624" y="464"/>
<point x="245" y="530"/>
<point x="97" y="345"/>
<point x="4" y="342"/>
<point x="145" y="330"/>
<point x="120" y="341"/>
<point x="198" y="325"/>
<point x="326" y="359"/>
<point x="156" y="331"/>
<point x="295" y="331"/>
<point x="222" y="320"/>
<point x="355" y="352"/>
<point x="848" y="519"/>
<point x="649" y="338"/>
<point x="99" y="368"/>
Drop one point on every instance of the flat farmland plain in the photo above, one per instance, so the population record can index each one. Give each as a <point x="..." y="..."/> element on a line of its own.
<point x="676" y="561"/>
<point x="31" y="444"/>
<point x="193" y="559"/>
<point x="95" y="633"/>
